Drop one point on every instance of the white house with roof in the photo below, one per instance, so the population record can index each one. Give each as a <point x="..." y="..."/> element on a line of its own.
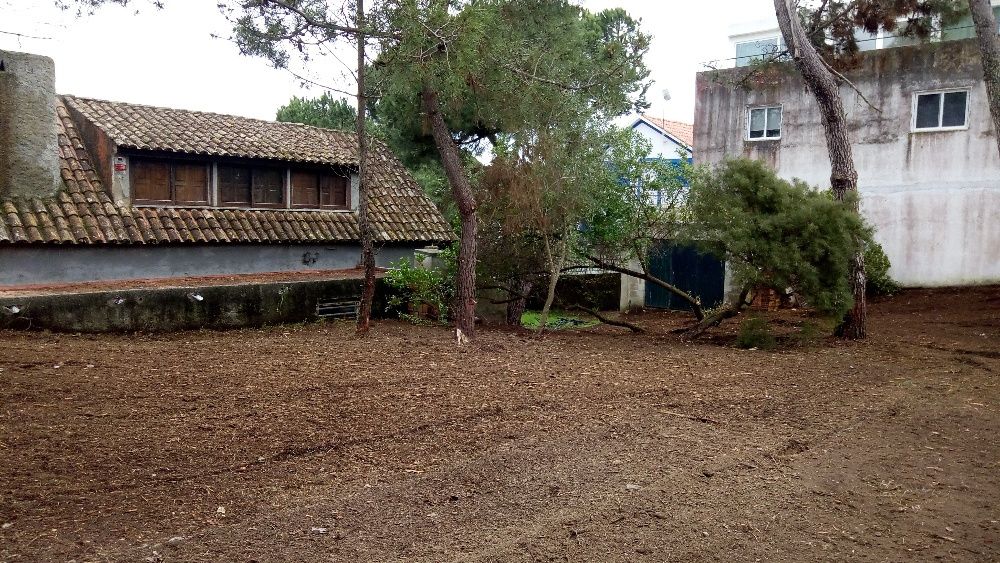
<point x="669" y="139"/>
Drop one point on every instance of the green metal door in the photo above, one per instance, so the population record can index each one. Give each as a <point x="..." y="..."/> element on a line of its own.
<point x="687" y="267"/>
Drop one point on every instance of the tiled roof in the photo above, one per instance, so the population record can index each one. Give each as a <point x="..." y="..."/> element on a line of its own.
<point x="83" y="213"/>
<point x="678" y="129"/>
<point x="142" y="127"/>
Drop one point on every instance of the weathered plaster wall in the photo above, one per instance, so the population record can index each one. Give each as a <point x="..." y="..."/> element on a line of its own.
<point x="179" y="308"/>
<point x="934" y="197"/>
<point x="21" y="265"/>
<point x="30" y="163"/>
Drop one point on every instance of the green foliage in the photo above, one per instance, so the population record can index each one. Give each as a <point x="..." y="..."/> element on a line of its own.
<point x="877" y="269"/>
<point x="778" y="234"/>
<point x="324" y="111"/>
<point x="833" y="24"/>
<point x="418" y="287"/>
<point x="755" y="333"/>
<point x="556" y="321"/>
<point x="640" y="201"/>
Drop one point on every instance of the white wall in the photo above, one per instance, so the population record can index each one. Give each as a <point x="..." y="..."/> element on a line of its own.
<point x="663" y="146"/>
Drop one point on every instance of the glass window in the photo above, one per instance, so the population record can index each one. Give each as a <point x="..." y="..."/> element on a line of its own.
<point x="928" y="110"/>
<point x="953" y="111"/>
<point x="764" y="123"/>
<point x="941" y="110"/>
<point x="865" y="41"/>
<point x="748" y="52"/>
<point x="962" y="29"/>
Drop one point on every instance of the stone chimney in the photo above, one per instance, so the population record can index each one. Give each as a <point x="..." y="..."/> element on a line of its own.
<point x="29" y="147"/>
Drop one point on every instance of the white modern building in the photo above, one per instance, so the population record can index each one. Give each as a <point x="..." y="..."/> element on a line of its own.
<point x="926" y="155"/>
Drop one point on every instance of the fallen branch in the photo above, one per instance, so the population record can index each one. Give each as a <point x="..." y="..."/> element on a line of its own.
<point x="696" y="418"/>
<point x="715" y="319"/>
<point x="607" y="320"/>
<point x="692" y="301"/>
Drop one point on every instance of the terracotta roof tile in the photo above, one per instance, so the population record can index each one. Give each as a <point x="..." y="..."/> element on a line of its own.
<point x="682" y="131"/>
<point x="144" y="127"/>
<point x="84" y="213"/>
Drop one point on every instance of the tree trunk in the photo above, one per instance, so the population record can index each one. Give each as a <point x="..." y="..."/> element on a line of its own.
<point x="989" y="48"/>
<point x="843" y="176"/>
<point x="518" y="303"/>
<point x="555" y="269"/>
<point x="465" y="286"/>
<point x="364" y="223"/>
<point x="716" y="318"/>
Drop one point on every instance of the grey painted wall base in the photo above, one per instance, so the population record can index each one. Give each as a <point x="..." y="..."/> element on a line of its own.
<point x="170" y="309"/>
<point x="22" y="265"/>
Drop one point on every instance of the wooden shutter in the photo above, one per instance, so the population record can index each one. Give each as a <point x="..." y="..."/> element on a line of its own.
<point x="305" y="189"/>
<point x="333" y="191"/>
<point x="268" y="187"/>
<point x="234" y="185"/>
<point x="150" y="181"/>
<point x="190" y="183"/>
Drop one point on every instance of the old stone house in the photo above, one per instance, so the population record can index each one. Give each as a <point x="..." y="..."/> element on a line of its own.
<point x="98" y="190"/>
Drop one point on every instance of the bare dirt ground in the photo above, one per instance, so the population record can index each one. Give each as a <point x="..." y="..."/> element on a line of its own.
<point x="307" y="444"/>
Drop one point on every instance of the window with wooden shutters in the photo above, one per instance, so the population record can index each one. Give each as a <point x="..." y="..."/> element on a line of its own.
<point x="333" y="192"/>
<point x="305" y="189"/>
<point x="235" y="185"/>
<point x="318" y="190"/>
<point x="190" y="183"/>
<point x="164" y="183"/>
<point x="268" y="187"/>
<point x="150" y="181"/>
<point x="251" y="187"/>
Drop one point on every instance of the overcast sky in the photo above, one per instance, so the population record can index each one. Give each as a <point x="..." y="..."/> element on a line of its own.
<point x="170" y="58"/>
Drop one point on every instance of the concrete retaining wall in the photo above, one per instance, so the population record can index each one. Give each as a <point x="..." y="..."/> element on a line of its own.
<point x="171" y="309"/>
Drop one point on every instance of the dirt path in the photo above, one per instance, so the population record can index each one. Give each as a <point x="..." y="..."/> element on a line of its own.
<point x="284" y="445"/>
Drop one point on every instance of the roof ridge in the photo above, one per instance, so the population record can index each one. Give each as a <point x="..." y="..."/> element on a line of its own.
<point x="663" y="119"/>
<point x="204" y="113"/>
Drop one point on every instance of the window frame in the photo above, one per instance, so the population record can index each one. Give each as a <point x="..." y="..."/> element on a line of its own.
<point x="940" y="128"/>
<point x="750" y="109"/>
<point x="254" y="170"/>
<point x="749" y="60"/>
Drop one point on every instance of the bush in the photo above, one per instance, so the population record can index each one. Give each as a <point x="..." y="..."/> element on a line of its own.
<point x="778" y="234"/>
<point x="755" y="333"/>
<point x="425" y="292"/>
<point x="877" y="270"/>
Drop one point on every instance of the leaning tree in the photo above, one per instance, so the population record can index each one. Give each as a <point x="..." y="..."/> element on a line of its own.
<point x="816" y="34"/>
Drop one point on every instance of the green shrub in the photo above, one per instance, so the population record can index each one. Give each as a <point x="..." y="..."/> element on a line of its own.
<point x="423" y="292"/>
<point x="877" y="270"/>
<point x="755" y="333"/>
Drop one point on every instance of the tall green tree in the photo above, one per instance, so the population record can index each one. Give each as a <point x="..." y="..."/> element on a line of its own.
<point x="641" y="203"/>
<point x="323" y="111"/>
